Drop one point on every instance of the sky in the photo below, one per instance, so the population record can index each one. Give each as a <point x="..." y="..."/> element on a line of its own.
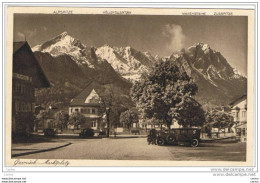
<point x="160" y="35"/>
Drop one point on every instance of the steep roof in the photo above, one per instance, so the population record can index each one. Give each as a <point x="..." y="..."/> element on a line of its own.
<point x="236" y="101"/>
<point x="18" y="45"/>
<point x="79" y="100"/>
<point x="25" y="63"/>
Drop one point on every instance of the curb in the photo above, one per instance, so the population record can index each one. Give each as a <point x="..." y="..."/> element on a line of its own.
<point x="39" y="151"/>
<point x="211" y="140"/>
<point x="124" y="137"/>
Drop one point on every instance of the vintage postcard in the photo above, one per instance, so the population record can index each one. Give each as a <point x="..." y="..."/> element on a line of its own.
<point x="129" y="87"/>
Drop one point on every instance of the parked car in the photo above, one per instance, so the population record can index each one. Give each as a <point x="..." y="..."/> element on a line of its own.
<point x="88" y="132"/>
<point x="190" y="135"/>
<point x="49" y="132"/>
<point x="179" y="136"/>
<point x="102" y="134"/>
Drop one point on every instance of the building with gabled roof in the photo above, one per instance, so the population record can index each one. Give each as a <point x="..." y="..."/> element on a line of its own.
<point x="239" y="109"/>
<point x="27" y="75"/>
<point x="88" y="103"/>
<point x="239" y="112"/>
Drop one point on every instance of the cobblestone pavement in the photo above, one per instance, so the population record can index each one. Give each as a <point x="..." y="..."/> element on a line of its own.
<point x="138" y="149"/>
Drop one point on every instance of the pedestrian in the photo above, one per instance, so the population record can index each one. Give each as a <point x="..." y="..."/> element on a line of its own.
<point x="154" y="136"/>
<point x="151" y="138"/>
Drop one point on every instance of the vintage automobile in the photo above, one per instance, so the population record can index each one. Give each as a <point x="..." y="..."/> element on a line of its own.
<point x="88" y="132"/>
<point x="179" y="136"/>
<point x="49" y="132"/>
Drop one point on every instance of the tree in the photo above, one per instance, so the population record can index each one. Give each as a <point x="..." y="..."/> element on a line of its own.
<point x="77" y="119"/>
<point x="189" y="113"/>
<point x="62" y="118"/>
<point x="111" y="100"/>
<point x="42" y="116"/>
<point x="219" y="119"/>
<point x="128" y="118"/>
<point x="160" y="92"/>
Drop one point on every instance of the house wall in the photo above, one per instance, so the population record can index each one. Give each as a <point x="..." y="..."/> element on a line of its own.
<point x="239" y="112"/>
<point x="89" y="112"/>
<point x="23" y="102"/>
<point x="92" y="114"/>
<point x="27" y="75"/>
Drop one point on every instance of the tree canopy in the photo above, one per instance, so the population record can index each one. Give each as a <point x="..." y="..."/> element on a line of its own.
<point x="62" y="118"/>
<point x="162" y="91"/>
<point x="219" y="119"/>
<point x="189" y="113"/>
<point x="77" y="119"/>
<point x="128" y="118"/>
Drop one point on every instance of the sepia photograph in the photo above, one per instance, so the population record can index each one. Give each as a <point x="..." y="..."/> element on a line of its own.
<point x="124" y="85"/>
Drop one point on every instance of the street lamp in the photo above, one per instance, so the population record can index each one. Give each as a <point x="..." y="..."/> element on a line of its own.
<point x="108" y="123"/>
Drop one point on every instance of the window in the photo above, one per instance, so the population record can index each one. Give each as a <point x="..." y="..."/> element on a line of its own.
<point x="33" y="107"/>
<point x="76" y="110"/>
<point x="22" y="88"/>
<point x="22" y="107"/>
<point x="17" y="87"/>
<point x="94" y="124"/>
<point x="29" y="107"/>
<point x="17" y="107"/>
<point x="93" y="111"/>
<point x="85" y="111"/>
<point x="31" y="91"/>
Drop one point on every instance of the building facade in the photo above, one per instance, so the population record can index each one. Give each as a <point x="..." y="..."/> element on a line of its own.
<point x="88" y="103"/>
<point x="239" y="112"/>
<point x="27" y="75"/>
<point x="239" y="109"/>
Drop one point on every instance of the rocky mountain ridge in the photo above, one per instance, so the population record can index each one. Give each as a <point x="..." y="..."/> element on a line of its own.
<point x="65" y="58"/>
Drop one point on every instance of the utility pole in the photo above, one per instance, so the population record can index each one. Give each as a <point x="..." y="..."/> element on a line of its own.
<point x="108" y="123"/>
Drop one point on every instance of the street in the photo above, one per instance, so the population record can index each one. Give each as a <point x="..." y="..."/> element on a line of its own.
<point x="138" y="149"/>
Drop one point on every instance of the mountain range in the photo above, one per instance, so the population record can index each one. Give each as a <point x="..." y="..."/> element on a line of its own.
<point x="70" y="65"/>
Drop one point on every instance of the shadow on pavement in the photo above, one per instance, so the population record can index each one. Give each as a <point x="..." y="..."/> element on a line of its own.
<point x="32" y="139"/>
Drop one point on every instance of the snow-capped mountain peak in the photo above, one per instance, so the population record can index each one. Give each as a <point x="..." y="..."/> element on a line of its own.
<point x="64" y="44"/>
<point x="64" y="34"/>
<point x="217" y="81"/>
<point x="127" y="61"/>
<point x="61" y="44"/>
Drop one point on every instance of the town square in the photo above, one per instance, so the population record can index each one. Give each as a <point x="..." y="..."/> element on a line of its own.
<point x="112" y="96"/>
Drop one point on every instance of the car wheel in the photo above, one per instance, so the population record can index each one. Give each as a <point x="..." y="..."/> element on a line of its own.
<point x="194" y="142"/>
<point x="170" y="138"/>
<point x="160" y="141"/>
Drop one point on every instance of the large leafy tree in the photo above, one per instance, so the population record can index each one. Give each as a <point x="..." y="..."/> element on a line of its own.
<point x="161" y="91"/>
<point x="61" y="118"/>
<point x="128" y="118"/>
<point x="77" y="119"/>
<point x="111" y="100"/>
<point x="189" y="113"/>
